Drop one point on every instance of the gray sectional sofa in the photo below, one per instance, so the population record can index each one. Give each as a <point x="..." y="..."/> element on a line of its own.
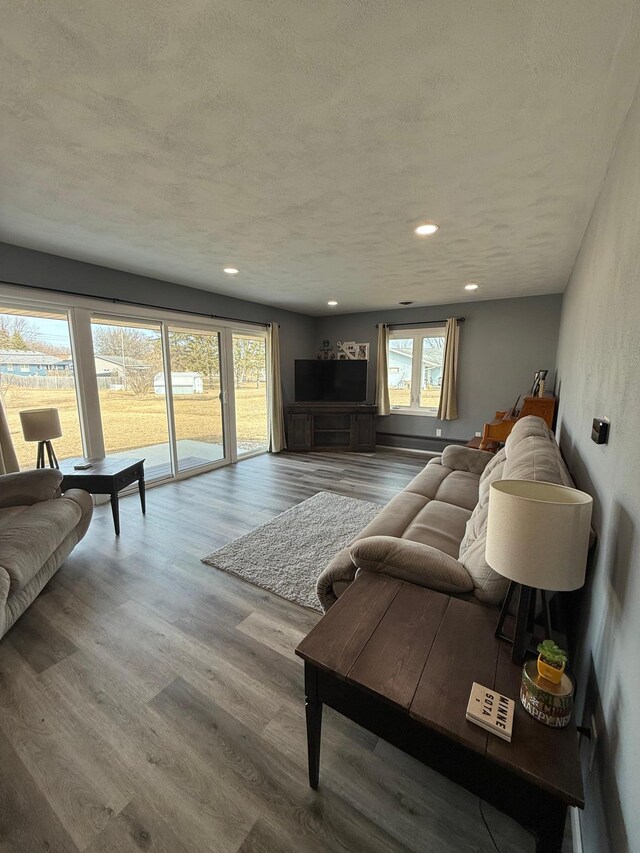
<point x="39" y="527"/>
<point x="434" y="532"/>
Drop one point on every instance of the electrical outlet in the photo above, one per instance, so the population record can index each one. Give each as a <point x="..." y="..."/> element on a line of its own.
<point x="438" y="433"/>
<point x="593" y="742"/>
<point x="478" y="435"/>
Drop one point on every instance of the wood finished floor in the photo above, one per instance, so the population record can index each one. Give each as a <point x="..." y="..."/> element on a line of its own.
<point x="151" y="703"/>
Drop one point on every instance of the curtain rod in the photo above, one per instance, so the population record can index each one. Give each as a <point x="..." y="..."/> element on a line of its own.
<point x="116" y="301"/>
<point x="419" y="323"/>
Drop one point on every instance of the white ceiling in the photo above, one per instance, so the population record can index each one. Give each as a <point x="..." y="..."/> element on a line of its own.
<point x="302" y="140"/>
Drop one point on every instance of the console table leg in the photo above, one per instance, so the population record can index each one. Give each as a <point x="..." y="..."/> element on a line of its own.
<point x="313" y="710"/>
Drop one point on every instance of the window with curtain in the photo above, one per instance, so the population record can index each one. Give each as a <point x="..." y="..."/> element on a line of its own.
<point x="414" y="370"/>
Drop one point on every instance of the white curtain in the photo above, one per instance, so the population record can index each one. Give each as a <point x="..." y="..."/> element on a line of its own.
<point x="8" y="458"/>
<point x="277" y="441"/>
<point x="448" y="406"/>
<point x="382" y="381"/>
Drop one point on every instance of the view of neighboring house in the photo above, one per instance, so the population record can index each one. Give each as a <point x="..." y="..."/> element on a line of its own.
<point x="184" y="382"/>
<point x="400" y="366"/>
<point x="25" y="363"/>
<point x="117" y="365"/>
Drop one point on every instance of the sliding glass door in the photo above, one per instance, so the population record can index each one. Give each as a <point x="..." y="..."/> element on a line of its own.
<point x="250" y="392"/>
<point x="183" y="393"/>
<point x="129" y="369"/>
<point x="196" y="395"/>
<point x="161" y="393"/>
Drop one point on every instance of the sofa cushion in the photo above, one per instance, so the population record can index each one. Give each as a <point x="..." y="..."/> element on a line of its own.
<point x="533" y="456"/>
<point x="525" y="427"/>
<point x="32" y="536"/>
<point x="466" y="458"/>
<point x="429" y="480"/>
<point x="411" y="561"/>
<point x="440" y="525"/>
<point x="536" y="458"/>
<point x="8" y="513"/>
<point x="28" y="487"/>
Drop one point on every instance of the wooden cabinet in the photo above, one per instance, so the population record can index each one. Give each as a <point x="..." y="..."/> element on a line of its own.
<point x="365" y="433"/>
<point x="331" y="427"/>
<point x="298" y="431"/>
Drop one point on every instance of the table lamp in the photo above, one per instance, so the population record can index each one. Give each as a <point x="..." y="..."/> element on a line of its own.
<point x="538" y="537"/>
<point x="42" y="425"/>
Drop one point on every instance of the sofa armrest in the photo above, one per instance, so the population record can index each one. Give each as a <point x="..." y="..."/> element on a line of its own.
<point x="466" y="458"/>
<point x="29" y="487"/>
<point x="411" y="561"/>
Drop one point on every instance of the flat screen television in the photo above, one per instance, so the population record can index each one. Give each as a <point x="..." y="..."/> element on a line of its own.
<point x="331" y="381"/>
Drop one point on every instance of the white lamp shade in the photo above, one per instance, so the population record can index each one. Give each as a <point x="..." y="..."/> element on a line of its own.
<point x="40" y="424"/>
<point x="538" y="533"/>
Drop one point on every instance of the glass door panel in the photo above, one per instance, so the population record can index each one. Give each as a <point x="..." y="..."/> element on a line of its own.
<point x="130" y="372"/>
<point x="197" y="397"/>
<point x="36" y="372"/>
<point x="250" y="384"/>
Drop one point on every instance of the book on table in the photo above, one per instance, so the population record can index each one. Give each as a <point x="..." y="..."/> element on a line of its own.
<point x="491" y="711"/>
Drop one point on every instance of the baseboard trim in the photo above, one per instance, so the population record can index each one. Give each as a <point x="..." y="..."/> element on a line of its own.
<point x="415" y="442"/>
<point x="412" y="451"/>
<point x="576" y="830"/>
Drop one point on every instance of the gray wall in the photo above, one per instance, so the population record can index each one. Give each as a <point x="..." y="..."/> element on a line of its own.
<point x="599" y="374"/>
<point x="502" y="343"/>
<point x="38" y="269"/>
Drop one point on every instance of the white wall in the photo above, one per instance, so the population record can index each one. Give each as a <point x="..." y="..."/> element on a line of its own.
<point x="599" y="376"/>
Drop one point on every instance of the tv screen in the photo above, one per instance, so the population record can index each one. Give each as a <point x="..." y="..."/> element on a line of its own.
<point x="331" y="381"/>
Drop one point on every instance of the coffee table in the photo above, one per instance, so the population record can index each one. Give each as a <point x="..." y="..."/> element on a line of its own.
<point x="106" y="476"/>
<point x="400" y="659"/>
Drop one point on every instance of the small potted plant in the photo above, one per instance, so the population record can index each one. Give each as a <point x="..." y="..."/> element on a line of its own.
<point x="552" y="661"/>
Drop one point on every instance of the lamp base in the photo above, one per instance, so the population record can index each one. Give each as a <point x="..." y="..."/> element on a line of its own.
<point x="525" y="616"/>
<point x="53" y="460"/>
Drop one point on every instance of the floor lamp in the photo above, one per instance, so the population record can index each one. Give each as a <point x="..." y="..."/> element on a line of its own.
<point x="42" y="425"/>
<point x="538" y="537"/>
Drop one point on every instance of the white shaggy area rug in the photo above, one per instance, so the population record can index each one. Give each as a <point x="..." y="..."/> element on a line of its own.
<point x="287" y="554"/>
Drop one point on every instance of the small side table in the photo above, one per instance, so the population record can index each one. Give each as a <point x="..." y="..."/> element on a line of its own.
<point x="106" y="476"/>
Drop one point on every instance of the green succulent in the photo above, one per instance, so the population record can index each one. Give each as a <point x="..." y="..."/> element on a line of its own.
<point x="552" y="653"/>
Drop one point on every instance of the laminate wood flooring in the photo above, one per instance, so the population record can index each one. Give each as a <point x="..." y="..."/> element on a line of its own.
<point x="151" y="703"/>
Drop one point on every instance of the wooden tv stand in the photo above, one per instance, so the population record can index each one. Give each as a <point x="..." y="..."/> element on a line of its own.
<point x="331" y="426"/>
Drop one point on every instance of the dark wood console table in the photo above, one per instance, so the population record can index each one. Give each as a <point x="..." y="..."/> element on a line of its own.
<point x="106" y="477"/>
<point x="320" y="426"/>
<point x="400" y="659"/>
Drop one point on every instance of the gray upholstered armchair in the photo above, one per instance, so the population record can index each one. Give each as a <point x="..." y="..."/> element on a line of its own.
<point x="39" y="527"/>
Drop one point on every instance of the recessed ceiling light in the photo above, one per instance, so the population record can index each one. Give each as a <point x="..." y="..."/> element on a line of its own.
<point x="426" y="229"/>
<point x="471" y="286"/>
<point x="332" y="303"/>
<point x="231" y="271"/>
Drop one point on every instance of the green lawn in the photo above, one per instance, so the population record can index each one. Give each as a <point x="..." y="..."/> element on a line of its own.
<point x="132" y="421"/>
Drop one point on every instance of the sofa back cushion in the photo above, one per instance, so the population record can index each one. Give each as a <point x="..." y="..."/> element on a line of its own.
<point x="31" y="536"/>
<point x="532" y="455"/>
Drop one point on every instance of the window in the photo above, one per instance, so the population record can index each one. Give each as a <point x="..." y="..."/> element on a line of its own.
<point x="45" y="335"/>
<point x="186" y="393"/>
<point x="414" y="373"/>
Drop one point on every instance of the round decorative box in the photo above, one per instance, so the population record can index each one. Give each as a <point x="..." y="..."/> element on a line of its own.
<point x="549" y="703"/>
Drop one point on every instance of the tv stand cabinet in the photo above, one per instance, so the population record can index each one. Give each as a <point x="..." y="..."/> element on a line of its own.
<point x="331" y="426"/>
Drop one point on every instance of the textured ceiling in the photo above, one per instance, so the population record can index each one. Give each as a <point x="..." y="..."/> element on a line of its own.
<point x="302" y="140"/>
